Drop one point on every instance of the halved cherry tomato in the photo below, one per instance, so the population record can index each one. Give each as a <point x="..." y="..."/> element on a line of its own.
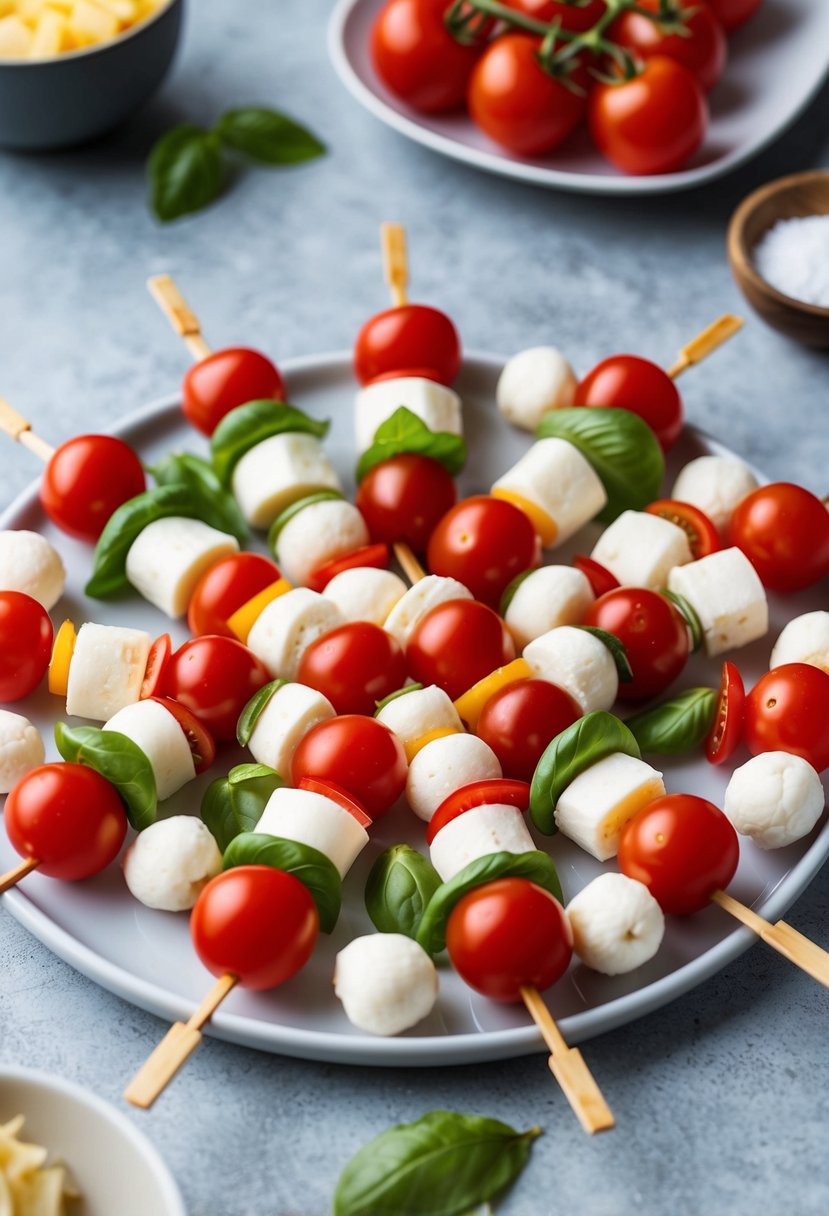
<point x="484" y="543"/>
<point x="597" y="575"/>
<point x="703" y="536"/>
<point x="653" y="633"/>
<point x="26" y="636"/>
<point x="402" y="499"/>
<point x="224" y="588"/>
<point x="225" y="379"/>
<point x="157" y="661"/>
<point x="376" y="556"/>
<point x="456" y="644"/>
<point x="787" y="710"/>
<point x="199" y="738"/>
<point x="86" y="480"/>
<point x="337" y="794"/>
<point x="784" y="532"/>
<point x="479" y="793"/>
<point x="354" y="666"/>
<point x="695" y="38"/>
<point x="519" y="721"/>
<point x="215" y="677"/>
<point x="410" y="336"/>
<point x="358" y="754"/>
<point x="630" y="383"/>
<point x="727" y="731"/>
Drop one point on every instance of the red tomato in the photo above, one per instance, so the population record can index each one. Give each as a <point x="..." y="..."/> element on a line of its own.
<point x="456" y="644"/>
<point x="653" y="633"/>
<point x="357" y="753"/>
<point x="354" y="666"/>
<point x="600" y="579"/>
<point x="787" y="710"/>
<point x="215" y="677"/>
<point x="67" y="817"/>
<point x="26" y="636"/>
<point x="218" y="384"/>
<point x="418" y="373"/>
<point x="417" y="58"/>
<point x="402" y="499"/>
<point x="630" y="383"/>
<point x="732" y="13"/>
<point x="652" y="123"/>
<point x="703" y="537"/>
<point x="224" y="588"/>
<point x="157" y="661"/>
<point x="576" y="18"/>
<point x="199" y="739"/>
<point x="255" y="922"/>
<point x="337" y="794"/>
<point x="375" y="556"/>
<point x="520" y="720"/>
<point x="517" y="103"/>
<point x="696" y="40"/>
<point x="484" y="543"/>
<point x="784" y="532"/>
<point x="727" y="731"/>
<point x="409" y="336"/>
<point x="496" y="792"/>
<point x="506" y="934"/>
<point x="682" y="848"/>
<point x="88" y="478"/>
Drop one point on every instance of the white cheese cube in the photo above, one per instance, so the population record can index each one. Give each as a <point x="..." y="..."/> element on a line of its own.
<point x="316" y="535"/>
<point x="419" y="712"/>
<point x="533" y="382"/>
<point x="366" y="594"/>
<point x="169" y="556"/>
<point x="288" y="716"/>
<point x="715" y="484"/>
<point x="555" y="477"/>
<point x="160" y="737"/>
<point x="578" y="662"/>
<point x="288" y="625"/>
<point x="640" y="550"/>
<point x="596" y="806"/>
<point x="492" y="828"/>
<point x="28" y="563"/>
<point x="279" y="471"/>
<point x="386" y="982"/>
<point x="425" y="595"/>
<point x="445" y="765"/>
<point x="546" y="599"/>
<point x="435" y="404"/>
<point x="106" y="671"/>
<point x="804" y="640"/>
<point x="317" y="821"/>
<point x="775" y="798"/>
<point x="725" y="591"/>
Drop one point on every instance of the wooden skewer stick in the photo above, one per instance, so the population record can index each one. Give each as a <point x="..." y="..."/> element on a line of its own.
<point x="410" y="565"/>
<point x="395" y="262"/>
<point x="706" y="343"/>
<point x="175" y="1049"/>
<point x="12" y="877"/>
<point x="800" y="950"/>
<point x="178" y="312"/>
<point x="568" y="1066"/>
<point x="20" y="429"/>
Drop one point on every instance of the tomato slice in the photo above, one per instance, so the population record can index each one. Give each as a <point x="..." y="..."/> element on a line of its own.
<point x="703" y="537"/>
<point x="157" y="661"/>
<point x="198" y="736"/>
<point x="376" y="555"/>
<point x="727" y="731"/>
<point x="597" y="575"/>
<point x="337" y="794"/>
<point x="478" y="793"/>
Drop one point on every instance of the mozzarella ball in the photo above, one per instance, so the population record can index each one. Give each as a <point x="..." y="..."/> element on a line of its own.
<point x="28" y="563"/>
<point x="546" y="599"/>
<point x="445" y="765"/>
<point x="316" y="535"/>
<point x="804" y="640"/>
<point x="21" y="749"/>
<point x="170" y="862"/>
<point x="386" y="982"/>
<point x="617" y="924"/>
<point x="775" y="798"/>
<point x="578" y="662"/>
<point x="715" y="484"/>
<point x="365" y="594"/>
<point x="533" y="382"/>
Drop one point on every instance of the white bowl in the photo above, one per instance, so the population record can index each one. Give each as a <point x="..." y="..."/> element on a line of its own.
<point x="116" y="1169"/>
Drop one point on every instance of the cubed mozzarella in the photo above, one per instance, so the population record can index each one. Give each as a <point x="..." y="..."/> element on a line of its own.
<point x="533" y="382"/>
<point x="492" y="828"/>
<point x="316" y="535"/>
<point x="169" y="863"/>
<point x="169" y="556"/>
<point x="435" y="404"/>
<point x="279" y="471"/>
<point x="596" y="806"/>
<point x="420" y="712"/>
<point x="287" y="626"/>
<point x="386" y="982"/>
<point x="317" y="821"/>
<point x="366" y="594"/>
<point x="725" y="591"/>
<point x="578" y="662"/>
<point x="555" y="478"/>
<point x="546" y="599"/>
<point x="425" y="595"/>
<point x="445" y="765"/>
<point x="106" y="671"/>
<point x="288" y="716"/>
<point x="21" y="749"/>
<point x="804" y="640"/>
<point x="640" y="550"/>
<point x="28" y="563"/>
<point x="775" y="798"/>
<point x="617" y="924"/>
<point x="161" y="739"/>
<point x="715" y="484"/>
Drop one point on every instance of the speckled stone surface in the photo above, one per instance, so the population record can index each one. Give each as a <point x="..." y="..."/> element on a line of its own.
<point x="722" y="1099"/>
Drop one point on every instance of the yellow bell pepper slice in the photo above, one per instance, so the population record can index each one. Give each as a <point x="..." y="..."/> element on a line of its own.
<point x="416" y="745"/>
<point x="470" y="706"/>
<point x="245" y="618"/>
<point x="543" y="523"/>
<point x="62" y="651"/>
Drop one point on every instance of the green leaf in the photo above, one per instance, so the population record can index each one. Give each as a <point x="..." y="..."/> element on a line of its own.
<point x="443" y="1164"/>
<point x="316" y="871"/>
<point x="185" y="172"/>
<point x="117" y="758"/>
<point x="687" y="610"/>
<point x="581" y="745"/>
<point x="393" y="696"/>
<point x="268" y="136"/>
<point x="676" y="726"/>
<point x="253" y="423"/>
<point x="617" y="651"/>
<point x="250" y="714"/>
<point x="294" y="508"/>
<point x="234" y="804"/>
<point x="185" y="469"/>
<point x="405" y="432"/>
<point x="622" y="449"/>
<point x="509" y="593"/>
<point x="399" y="886"/>
<point x="535" y="866"/>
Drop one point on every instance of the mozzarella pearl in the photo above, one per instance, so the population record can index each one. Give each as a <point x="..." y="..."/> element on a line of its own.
<point x="435" y="404"/>
<point x="617" y="924"/>
<point x="775" y="798"/>
<point x="804" y="640"/>
<point x="445" y="765"/>
<point x="546" y="599"/>
<point x="170" y="862"/>
<point x="365" y="594"/>
<point x="493" y="828"/>
<point x="386" y="982"/>
<point x="28" y="563"/>
<point x="316" y="535"/>
<point x="640" y="550"/>
<point x="21" y="749"/>
<point x="578" y="662"/>
<point x="715" y="484"/>
<point x="533" y="382"/>
<point x="725" y="591"/>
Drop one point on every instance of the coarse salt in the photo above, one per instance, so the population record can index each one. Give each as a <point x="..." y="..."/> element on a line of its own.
<point x="793" y="256"/>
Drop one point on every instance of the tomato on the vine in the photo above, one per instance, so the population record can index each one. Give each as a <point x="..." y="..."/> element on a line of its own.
<point x="695" y="38"/>
<point x="86" y="480"/>
<point x="215" y="677"/>
<point x="787" y="710"/>
<point x="26" y="635"/>
<point x="653" y="633"/>
<point x="225" y="379"/>
<point x="418" y="59"/>
<point x="413" y="335"/>
<point x="576" y="18"/>
<point x="703" y="536"/>
<point x="727" y="730"/>
<point x="483" y="542"/>
<point x="520" y="720"/>
<point x="456" y="644"/>
<point x="403" y="498"/>
<point x="354" y="666"/>
<point x="784" y="532"/>
<point x="733" y="13"/>
<point x="357" y="753"/>
<point x="631" y="383"/>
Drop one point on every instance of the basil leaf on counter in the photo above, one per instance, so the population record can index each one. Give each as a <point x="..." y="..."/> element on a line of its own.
<point x="399" y="886"/>
<point x="617" y="651"/>
<point x="250" y="714"/>
<point x="268" y="136"/>
<point x="587" y="741"/>
<point x="294" y="508"/>
<point x="405" y="432"/>
<point x="393" y="696"/>
<point x="253" y="423"/>
<point x="234" y="804"/>
<point x="622" y="449"/>
<point x="535" y="866"/>
<point x="185" y="171"/>
<point x="119" y="760"/>
<point x="443" y="1164"/>
<point x="185" y="469"/>
<point x="676" y="726"/>
<point x="313" y="869"/>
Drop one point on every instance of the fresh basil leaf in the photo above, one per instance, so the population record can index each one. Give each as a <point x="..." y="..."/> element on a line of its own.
<point x="687" y="610"/>
<point x="185" y="171"/>
<point x="676" y="726"/>
<point x="399" y="886"/>
<point x="509" y="593"/>
<point x="234" y="804"/>
<point x="405" y="432"/>
<point x="617" y="651"/>
<point x="268" y="136"/>
<point x="185" y="469"/>
<point x="313" y="869"/>
<point x="587" y="741"/>
<point x="294" y="508"/>
<point x="117" y="758"/>
<point x="622" y="449"/>
<point x="393" y="696"/>
<point x="250" y="714"/>
<point x="535" y="866"/>
<point x="253" y="423"/>
<point x="443" y="1164"/>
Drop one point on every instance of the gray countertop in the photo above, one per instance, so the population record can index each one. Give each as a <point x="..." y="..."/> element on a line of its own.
<point x="721" y="1098"/>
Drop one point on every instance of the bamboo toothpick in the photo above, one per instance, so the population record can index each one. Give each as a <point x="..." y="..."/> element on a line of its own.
<point x="800" y="950"/>
<point x="178" y="312"/>
<point x="410" y="565"/>
<point x="12" y="877"/>
<point x="395" y="262"/>
<point x="706" y="343"/>
<point x="20" y="429"/>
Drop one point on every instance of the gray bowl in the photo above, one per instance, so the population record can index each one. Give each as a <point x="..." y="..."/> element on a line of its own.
<point x="54" y="103"/>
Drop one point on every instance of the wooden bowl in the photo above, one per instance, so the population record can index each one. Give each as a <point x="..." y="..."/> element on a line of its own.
<point x="802" y="194"/>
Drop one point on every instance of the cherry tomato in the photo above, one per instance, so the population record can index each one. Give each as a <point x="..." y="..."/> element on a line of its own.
<point x="67" y="817"/>
<point x="484" y="543"/>
<point x="456" y="644"/>
<point x="652" y="123"/>
<point x="787" y="710"/>
<point x="653" y="633"/>
<point x="354" y="666"/>
<point x="630" y="383"/>
<point x="703" y="536"/>
<point x="218" y="384"/>
<point x="682" y="848"/>
<point x="599" y="578"/>
<point x="498" y="791"/>
<point x="520" y="720"/>
<point x="732" y="13"/>
<point x="506" y="934"/>
<point x="517" y="103"/>
<point x="199" y="738"/>
<point x="337" y="794"/>
<point x="215" y="677"/>
<point x="88" y="478"/>
<point x="727" y="731"/>
<point x="26" y="636"/>
<point x="402" y="499"/>
<point x="357" y="753"/>
<point x="255" y="922"/>
<point x="784" y="532"/>
<point x="375" y="556"/>
<point x="224" y="588"/>
<point x="408" y="373"/>
<point x="696" y="40"/>
<point x="417" y="58"/>
<point x="409" y="336"/>
<point x="576" y="18"/>
<point x="157" y="661"/>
